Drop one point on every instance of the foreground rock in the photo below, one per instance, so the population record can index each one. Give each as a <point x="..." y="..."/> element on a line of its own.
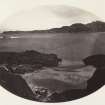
<point x="43" y="84"/>
<point x="98" y="79"/>
<point x="15" y="84"/>
<point x="13" y="65"/>
<point x="57" y="82"/>
<point x="97" y="61"/>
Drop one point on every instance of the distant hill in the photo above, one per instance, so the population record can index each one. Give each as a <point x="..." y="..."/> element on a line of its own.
<point x="96" y="26"/>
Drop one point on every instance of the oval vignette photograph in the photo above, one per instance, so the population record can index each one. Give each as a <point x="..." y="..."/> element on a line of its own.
<point x="52" y="53"/>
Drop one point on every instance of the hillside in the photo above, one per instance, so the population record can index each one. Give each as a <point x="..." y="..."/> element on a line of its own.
<point x="96" y="26"/>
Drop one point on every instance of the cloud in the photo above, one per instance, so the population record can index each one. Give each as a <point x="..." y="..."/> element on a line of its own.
<point x="67" y="12"/>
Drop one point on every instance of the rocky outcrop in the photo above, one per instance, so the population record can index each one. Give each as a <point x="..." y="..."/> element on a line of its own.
<point x="29" y="57"/>
<point x="98" y="79"/>
<point x="13" y="65"/>
<point x="24" y="68"/>
<point x="97" y="61"/>
<point x="15" y="84"/>
<point x="93" y="84"/>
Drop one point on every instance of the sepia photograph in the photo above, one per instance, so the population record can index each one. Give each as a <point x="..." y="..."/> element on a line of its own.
<point x="52" y="53"/>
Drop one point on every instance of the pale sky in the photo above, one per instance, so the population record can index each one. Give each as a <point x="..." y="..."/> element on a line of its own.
<point x="46" y="17"/>
<point x="29" y="15"/>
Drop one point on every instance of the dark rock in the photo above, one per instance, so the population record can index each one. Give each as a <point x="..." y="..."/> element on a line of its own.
<point x="29" y="57"/>
<point x="22" y="69"/>
<point x="67" y="95"/>
<point x="15" y="84"/>
<point x="98" y="79"/>
<point x="97" y="61"/>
